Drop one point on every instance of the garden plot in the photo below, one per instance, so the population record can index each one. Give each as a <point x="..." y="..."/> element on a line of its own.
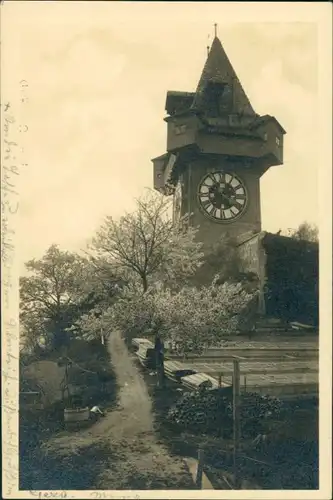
<point x="281" y="343"/>
<point x="276" y="344"/>
<point x="254" y="380"/>
<point x="271" y="377"/>
<point x="255" y="367"/>
<point x="267" y="339"/>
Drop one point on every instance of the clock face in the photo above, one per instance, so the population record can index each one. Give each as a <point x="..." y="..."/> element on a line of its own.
<point x="222" y="196"/>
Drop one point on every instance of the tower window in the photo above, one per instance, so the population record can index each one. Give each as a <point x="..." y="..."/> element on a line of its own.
<point x="214" y="92"/>
<point x="277" y="140"/>
<point x="233" y="120"/>
<point x="180" y="129"/>
<point x="226" y="100"/>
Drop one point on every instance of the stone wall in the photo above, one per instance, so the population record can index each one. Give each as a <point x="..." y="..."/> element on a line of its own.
<point x="288" y="274"/>
<point x="253" y="260"/>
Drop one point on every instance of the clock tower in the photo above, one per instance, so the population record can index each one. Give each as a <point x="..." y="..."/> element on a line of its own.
<point x="217" y="150"/>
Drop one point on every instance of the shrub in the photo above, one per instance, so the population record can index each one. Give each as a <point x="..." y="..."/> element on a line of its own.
<point x="210" y="412"/>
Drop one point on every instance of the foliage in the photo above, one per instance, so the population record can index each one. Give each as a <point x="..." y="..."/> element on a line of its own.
<point x="193" y="318"/>
<point x="210" y="412"/>
<point x="144" y="261"/>
<point x="132" y="313"/>
<point x="60" y="287"/>
<point x="157" y="260"/>
<point x="92" y="325"/>
<point x="305" y="232"/>
<point x="292" y="279"/>
<point x="82" y="351"/>
<point x="145" y="245"/>
<point x="33" y="327"/>
<point x="200" y="318"/>
<point x="221" y="260"/>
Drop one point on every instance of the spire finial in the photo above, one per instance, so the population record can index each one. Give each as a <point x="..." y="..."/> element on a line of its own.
<point x="215" y="29"/>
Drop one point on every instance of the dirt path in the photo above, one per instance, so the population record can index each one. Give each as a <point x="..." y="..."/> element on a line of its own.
<point x="133" y="458"/>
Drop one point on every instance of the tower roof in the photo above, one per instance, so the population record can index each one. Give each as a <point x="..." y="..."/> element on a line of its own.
<point x="218" y="71"/>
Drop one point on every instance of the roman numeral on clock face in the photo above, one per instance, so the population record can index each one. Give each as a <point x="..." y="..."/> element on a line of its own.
<point x="208" y="206"/>
<point x="218" y="213"/>
<point x="238" y="205"/>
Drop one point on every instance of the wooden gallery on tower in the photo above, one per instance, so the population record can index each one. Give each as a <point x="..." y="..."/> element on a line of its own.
<point x="217" y="150"/>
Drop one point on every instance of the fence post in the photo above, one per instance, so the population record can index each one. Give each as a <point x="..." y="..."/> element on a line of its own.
<point x="198" y="481"/>
<point x="220" y="380"/>
<point x="236" y="422"/>
<point x="244" y="383"/>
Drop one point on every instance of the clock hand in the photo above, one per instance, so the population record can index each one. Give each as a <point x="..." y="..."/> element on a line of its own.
<point x="225" y="198"/>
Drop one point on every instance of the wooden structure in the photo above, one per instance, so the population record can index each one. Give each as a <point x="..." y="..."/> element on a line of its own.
<point x="141" y="342"/>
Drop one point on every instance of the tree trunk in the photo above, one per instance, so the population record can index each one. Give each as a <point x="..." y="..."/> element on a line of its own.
<point x="144" y="283"/>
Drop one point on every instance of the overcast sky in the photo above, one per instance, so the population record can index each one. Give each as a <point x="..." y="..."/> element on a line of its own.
<point x="98" y="74"/>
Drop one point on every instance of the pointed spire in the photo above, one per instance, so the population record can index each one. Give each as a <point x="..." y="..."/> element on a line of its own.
<point x="218" y="70"/>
